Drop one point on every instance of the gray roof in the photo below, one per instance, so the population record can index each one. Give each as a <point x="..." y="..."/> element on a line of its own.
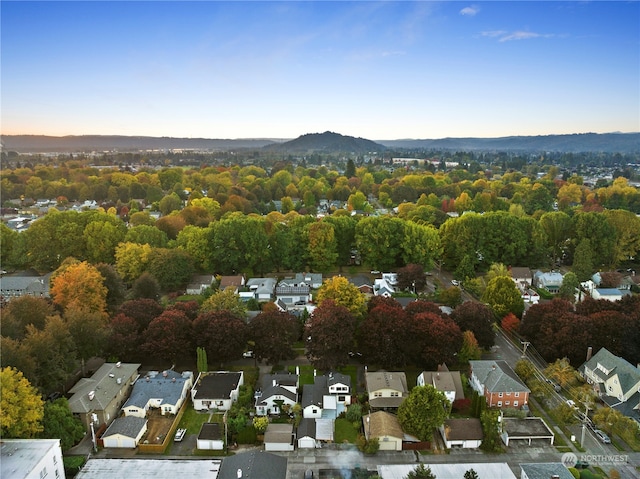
<point x="546" y="470"/>
<point x="386" y="380"/>
<point x="218" y="385"/>
<point x="285" y="289"/>
<point x="314" y="393"/>
<point x="628" y="374"/>
<point x="497" y="376"/>
<point x="463" y="429"/>
<point x="24" y="283"/>
<point x="129" y="426"/>
<point x="307" y="428"/>
<point x="308" y="278"/>
<point x="115" y="468"/>
<point x="167" y="386"/>
<point x="104" y="386"/>
<point x="262" y="285"/>
<point x="254" y="465"/>
<point x="279" y="433"/>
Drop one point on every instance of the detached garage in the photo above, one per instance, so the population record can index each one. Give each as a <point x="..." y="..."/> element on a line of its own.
<point x="210" y="437"/>
<point x="279" y="437"/>
<point x="125" y="432"/>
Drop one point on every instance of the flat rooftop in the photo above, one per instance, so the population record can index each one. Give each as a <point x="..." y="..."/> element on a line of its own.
<point x="149" y="468"/>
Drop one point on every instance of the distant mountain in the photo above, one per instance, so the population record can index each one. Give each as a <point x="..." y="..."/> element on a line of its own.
<point x="324" y="142"/>
<point x="87" y="143"/>
<point x="327" y="142"/>
<point x="580" y="142"/>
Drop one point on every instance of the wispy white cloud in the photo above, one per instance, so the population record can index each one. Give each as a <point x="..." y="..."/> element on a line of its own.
<point x="504" y="36"/>
<point x="470" y="11"/>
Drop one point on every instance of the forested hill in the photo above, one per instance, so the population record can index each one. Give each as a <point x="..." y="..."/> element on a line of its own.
<point x="583" y="142"/>
<point x="87" y="143"/>
<point x="327" y="142"/>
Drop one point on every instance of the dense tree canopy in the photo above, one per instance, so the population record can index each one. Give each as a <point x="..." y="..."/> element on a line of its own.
<point x="330" y="335"/>
<point x="21" y="405"/>
<point x="423" y="411"/>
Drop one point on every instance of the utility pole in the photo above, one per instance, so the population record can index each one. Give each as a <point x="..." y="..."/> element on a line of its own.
<point x="584" y="423"/>
<point x="524" y="350"/>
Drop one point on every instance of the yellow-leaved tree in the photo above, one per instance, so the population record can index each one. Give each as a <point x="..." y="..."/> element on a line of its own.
<point x="21" y="405"/>
<point x="79" y="286"/>
<point x="343" y="293"/>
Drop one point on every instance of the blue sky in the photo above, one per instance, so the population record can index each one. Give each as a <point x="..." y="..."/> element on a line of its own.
<point x="379" y="70"/>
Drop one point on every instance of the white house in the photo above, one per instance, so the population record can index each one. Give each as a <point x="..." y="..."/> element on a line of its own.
<point x="445" y="381"/>
<point x="125" y="432"/>
<point x="306" y="434"/>
<point x="327" y="397"/>
<point x="261" y="289"/>
<point x="276" y="391"/>
<point x="200" y="282"/>
<point x="386" y="389"/>
<point x="382" y="287"/>
<point x="31" y="459"/>
<point x="166" y="391"/>
<point x="216" y="390"/>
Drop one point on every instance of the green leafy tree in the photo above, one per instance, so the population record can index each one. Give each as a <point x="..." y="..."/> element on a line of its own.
<point x="627" y="234"/>
<point x="344" y="229"/>
<point x="169" y="204"/>
<point x="503" y="296"/>
<point x="23" y="311"/>
<point x="322" y="246"/>
<point x="583" y="261"/>
<point x="89" y="330"/>
<point x="470" y="349"/>
<point x="422" y="411"/>
<point x="59" y="423"/>
<point x="557" y="228"/>
<point x="201" y="360"/>
<point x="114" y="284"/>
<point x="490" y="427"/>
<point x="569" y="287"/>
<point x="101" y="239"/>
<point x="420" y="244"/>
<point x="172" y="268"/>
<point x="146" y="286"/>
<point x="225" y="300"/>
<point x="421" y="472"/>
<point x="367" y="446"/>
<point x="471" y="474"/>
<point x="132" y="260"/>
<point x="21" y="405"/>
<point x="147" y="234"/>
<point x="379" y="240"/>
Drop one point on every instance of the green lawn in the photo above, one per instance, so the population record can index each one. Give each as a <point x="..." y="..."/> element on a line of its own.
<point x="345" y="432"/>
<point x="193" y="420"/>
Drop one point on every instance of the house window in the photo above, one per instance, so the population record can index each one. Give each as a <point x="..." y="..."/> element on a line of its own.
<point x="507" y="403"/>
<point x="515" y="403"/>
<point x="57" y="473"/>
<point x="314" y="411"/>
<point x="43" y="473"/>
<point x="394" y="394"/>
<point x="55" y="460"/>
<point x="499" y="395"/>
<point x="517" y="395"/>
<point x="377" y="394"/>
<point x="499" y="403"/>
<point x="341" y="398"/>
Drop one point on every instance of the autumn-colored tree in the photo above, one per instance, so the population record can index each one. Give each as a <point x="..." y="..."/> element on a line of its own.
<point x="21" y="405"/>
<point x="510" y="323"/>
<point x="16" y="354"/>
<point x="343" y="293"/>
<point x="610" y="279"/>
<point x="540" y="315"/>
<point x="562" y="373"/>
<point x="330" y="335"/>
<point x="421" y="306"/>
<point x="432" y="339"/>
<point x="80" y="286"/>
<point x="412" y="277"/>
<point x="189" y="308"/>
<point x="225" y="300"/>
<point x="470" y="349"/>
<point x="222" y="334"/>
<point x="478" y="318"/>
<point x="168" y="336"/>
<point x="124" y="338"/>
<point x="388" y="346"/>
<point x="274" y="334"/>
<point x="451" y="296"/>
<point x="322" y="246"/>
<point x="132" y="260"/>
<point x="142" y="310"/>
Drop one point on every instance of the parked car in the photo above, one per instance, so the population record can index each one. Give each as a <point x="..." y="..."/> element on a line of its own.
<point x="247" y="354"/>
<point x="308" y="474"/>
<point x="455" y="282"/>
<point x="602" y="436"/>
<point x="180" y="433"/>
<point x="572" y="403"/>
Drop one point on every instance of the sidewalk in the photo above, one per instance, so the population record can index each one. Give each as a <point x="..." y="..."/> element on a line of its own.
<point x="555" y="429"/>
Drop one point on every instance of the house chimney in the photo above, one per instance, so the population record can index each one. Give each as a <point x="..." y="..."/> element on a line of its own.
<point x="589" y="352"/>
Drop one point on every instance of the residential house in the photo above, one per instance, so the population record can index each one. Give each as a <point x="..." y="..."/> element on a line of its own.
<point x="545" y="470"/>
<point x="98" y="400"/>
<point x="279" y="437"/>
<point x="31" y="459"/>
<point x="616" y="381"/>
<point x="276" y="391"/>
<point x="166" y="391"/>
<point x="327" y="397"/>
<point x="465" y="433"/>
<point x="216" y="390"/>
<point x="550" y="281"/>
<point x="484" y="470"/>
<point x="293" y="293"/>
<point x="200" y="282"/>
<point x="382" y="287"/>
<point x="386" y="389"/>
<point x="210" y="437"/>
<point x="522" y="277"/>
<point x="527" y="429"/>
<point x="386" y="428"/>
<point x="254" y="464"/>
<point x="313" y="280"/>
<point x="262" y="289"/>
<point x="530" y="296"/>
<point x="363" y="283"/>
<point x="24" y="283"/>
<point x="498" y="383"/>
<point x="125" y="432"/>
<point x="233" y="282"/>
<point x="445" y="381"/>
